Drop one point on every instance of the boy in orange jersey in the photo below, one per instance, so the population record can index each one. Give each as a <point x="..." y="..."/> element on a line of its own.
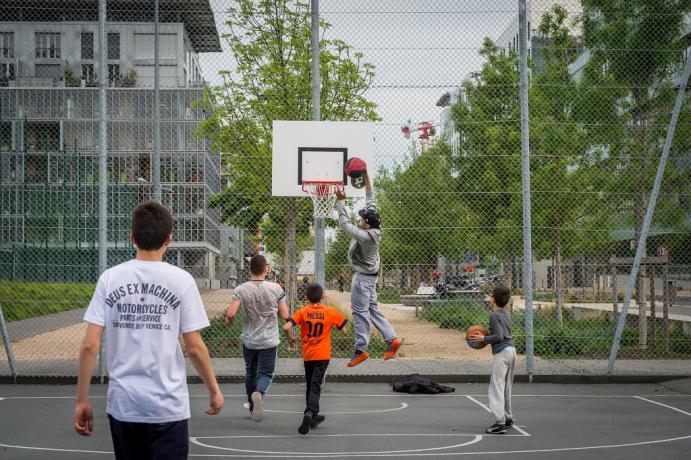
<point x="316" y="321"/>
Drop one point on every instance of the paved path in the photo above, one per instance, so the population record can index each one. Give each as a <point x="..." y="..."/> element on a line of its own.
<point x="25" y="328"/>
<point x="52" y="341"/>
<point x="421" y="338"/>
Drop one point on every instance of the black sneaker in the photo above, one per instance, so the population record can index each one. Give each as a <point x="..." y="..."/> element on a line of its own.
<point x="316" y="421"/>
<point x="496" y="429"/>
<point x="304" y="428"/>
<point x="508" y="423"/>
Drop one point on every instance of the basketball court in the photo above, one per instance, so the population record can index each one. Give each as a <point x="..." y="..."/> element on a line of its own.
<point x="370" y="420"/>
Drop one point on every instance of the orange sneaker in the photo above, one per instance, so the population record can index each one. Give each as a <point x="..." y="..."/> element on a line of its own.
<point x="394" y="345"/>
<point x="358" y="358"/>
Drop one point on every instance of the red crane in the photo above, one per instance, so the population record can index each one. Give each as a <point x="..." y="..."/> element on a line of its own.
<point x="426" y="129"/>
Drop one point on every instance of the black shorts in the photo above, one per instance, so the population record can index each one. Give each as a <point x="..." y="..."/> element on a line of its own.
<point x="150" y="441"/>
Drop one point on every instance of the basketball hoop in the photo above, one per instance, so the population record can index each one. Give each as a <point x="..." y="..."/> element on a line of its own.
<point x="323" y="194"/>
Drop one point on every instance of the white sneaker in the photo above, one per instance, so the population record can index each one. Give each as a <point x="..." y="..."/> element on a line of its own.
<point x="257" y="406"/>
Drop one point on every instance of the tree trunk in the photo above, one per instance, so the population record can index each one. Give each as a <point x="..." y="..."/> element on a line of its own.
<point x="615" y="295"/>
<point x="596" y="280"/>
<point x="289" y="259"/>
<point x="596" y="283"/>
<point x="640" y="281"/>
<point x="653" y="316"/>
<point x="558" y="279"/>
<point x="665" y="308"/>
<point x="640" y="120"/>
<point x="508" y="273"/>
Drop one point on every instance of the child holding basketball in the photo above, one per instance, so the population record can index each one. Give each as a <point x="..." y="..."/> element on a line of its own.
<point x="503" y="360"/>
<point x="363" y="256"/>
<point x="144" y="305"/>
<point x="316" y="321"/>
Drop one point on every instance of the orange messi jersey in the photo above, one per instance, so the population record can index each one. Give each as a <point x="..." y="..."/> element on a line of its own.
<point x="315" y="323"/>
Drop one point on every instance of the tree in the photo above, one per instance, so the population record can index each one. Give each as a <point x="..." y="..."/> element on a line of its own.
<point x="421" y="216"/>
<point x="488" y="165"/>
<point x="568" y="172"/>
<point x="270" y="42"/>
<point x="638" y="46"/>
<point x="337" y="257"/>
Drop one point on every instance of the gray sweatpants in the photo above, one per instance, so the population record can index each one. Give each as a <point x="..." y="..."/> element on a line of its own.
<point x="500" y="383"/>
<point x="363" y="302"/>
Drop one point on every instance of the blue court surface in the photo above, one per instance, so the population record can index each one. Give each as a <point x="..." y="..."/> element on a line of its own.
<point x="614" y="421"/>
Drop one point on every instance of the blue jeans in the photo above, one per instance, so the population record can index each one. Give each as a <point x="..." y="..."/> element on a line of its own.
<point x="260" y="367"/>
<point x="363" y="302"/>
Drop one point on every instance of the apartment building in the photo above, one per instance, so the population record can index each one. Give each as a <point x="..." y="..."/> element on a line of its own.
<point x="49" y="141"/>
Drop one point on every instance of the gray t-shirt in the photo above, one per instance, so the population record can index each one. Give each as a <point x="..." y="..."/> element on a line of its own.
<point x="499" y="331"/>
<point x="259" y="302"/>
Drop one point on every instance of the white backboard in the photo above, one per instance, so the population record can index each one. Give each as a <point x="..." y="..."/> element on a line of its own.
<point x="317" y="150"/>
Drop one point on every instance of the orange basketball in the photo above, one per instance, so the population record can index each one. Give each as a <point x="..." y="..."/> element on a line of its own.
<point x="472" y="343"/>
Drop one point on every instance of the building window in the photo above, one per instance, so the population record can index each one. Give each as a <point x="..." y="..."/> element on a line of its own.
<point x="113" y="72"/>
<point x="7" y="45"/>
<point x="114" y="45"/>
<point x="6" y="73"/>
<point x="88" y="72"/>
<point x="47" y="45"/>
<point x="5" y="136"/>
<point x="87" y="45"/>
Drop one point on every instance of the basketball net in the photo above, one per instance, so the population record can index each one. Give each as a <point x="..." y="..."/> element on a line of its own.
<point x="323" y="196"/>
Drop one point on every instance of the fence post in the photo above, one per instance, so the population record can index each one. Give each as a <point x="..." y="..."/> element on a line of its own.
<point x="319" y="223"/>
<point x="103" y="161"/>
<point x="8" y="346"/>
<point x="525" y="175"/>
<point x="649" y="215"/>
<point x="156" y="156"/>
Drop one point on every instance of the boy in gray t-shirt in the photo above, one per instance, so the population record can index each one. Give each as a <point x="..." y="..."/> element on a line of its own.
<point x="261" y="301"/>
<point x="503" y="360"/>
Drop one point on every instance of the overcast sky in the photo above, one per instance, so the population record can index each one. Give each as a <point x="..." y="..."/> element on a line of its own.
<point x="420" y="49"/>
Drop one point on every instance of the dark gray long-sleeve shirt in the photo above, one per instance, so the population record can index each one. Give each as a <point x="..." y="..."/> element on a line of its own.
<point x="499" y="330"/>
<point x="363" y="253"/>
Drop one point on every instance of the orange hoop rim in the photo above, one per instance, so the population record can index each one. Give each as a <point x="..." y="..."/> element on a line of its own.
<point x="321" y="188"/>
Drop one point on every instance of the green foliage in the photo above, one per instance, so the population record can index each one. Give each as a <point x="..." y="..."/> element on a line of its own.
<point x="418" y="210"/>
<point x="129" y="80"/>
<point x="71" y="80"/>
<point x="389" y="295"/>
<point x="573" y="339"/>
<point x="456" y="315"/>
<point x="337" y="258"/>
<point x="21" y="300"/>
<point x="224" y="341"/>
<point x="488" y="163"/>
<point x="638" y="49"/>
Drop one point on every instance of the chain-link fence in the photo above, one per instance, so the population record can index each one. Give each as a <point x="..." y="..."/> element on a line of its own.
<point x="440" y="80"/>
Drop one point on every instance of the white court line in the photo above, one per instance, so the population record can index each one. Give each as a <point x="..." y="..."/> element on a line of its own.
<point x="419" y="454"/>
<point x="664" y="405"/>
<point x="373" y="411"/>
<point x="398" y="395"/>
<point x="476" y="438"/>
<point x="51" y="449"/>
<point x="516" y="427"/>
<point x="343" y="435"/>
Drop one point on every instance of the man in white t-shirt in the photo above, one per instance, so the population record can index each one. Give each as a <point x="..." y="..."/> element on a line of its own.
<point x="262" y="303"/>
<point x="144" y="304"/>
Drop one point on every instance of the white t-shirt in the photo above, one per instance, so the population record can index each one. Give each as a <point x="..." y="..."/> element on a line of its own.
<point x="259" y="301"/>
<point x="144" y="306"/>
